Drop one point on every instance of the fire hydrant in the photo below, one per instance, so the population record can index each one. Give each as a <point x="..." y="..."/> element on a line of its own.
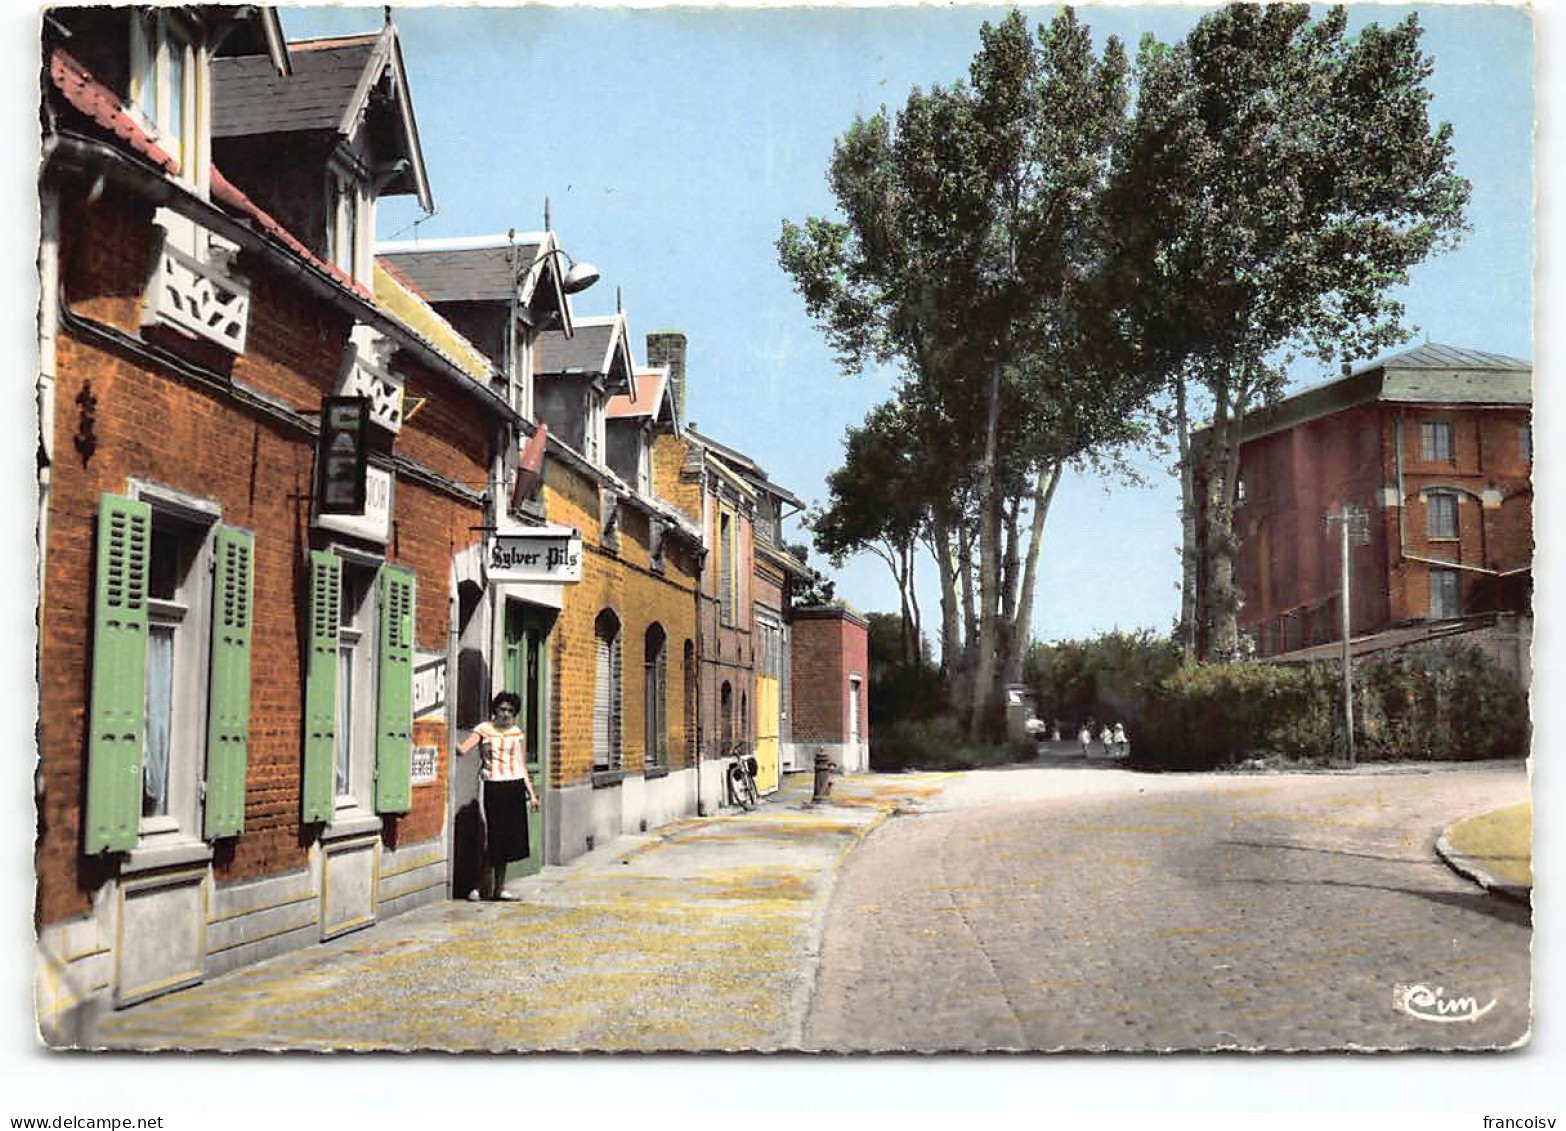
<point x="823" y="782"/>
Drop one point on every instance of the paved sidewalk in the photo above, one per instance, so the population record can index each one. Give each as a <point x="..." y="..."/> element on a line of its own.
<point x="701" y="936"/>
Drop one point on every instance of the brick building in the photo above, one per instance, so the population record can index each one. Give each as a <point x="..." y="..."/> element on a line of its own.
<point x="745" y="630"/>
<point x="831" y="685"/>
<point x="1435" y="445"/>
<point x="241" y="737"/>
<point x="624" y="648"/>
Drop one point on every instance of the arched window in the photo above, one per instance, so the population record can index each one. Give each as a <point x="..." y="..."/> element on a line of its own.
<point x="744" y="719"/>
<point x="607" y="753"/>
<point x="726" y="716"/>
<point x="655" y="676"/>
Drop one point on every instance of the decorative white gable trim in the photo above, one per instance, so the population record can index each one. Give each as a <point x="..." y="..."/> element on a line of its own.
<point x="193" y="288"/>
<point x="367" y="373"/>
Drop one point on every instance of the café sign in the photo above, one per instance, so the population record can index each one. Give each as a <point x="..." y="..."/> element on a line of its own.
<point x="554" y="557"/>
<point x="375" y="523"/>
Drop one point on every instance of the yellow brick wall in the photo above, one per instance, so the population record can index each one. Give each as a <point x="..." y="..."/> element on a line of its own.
<point x="668" y="460"/>
<point x="622" y="581"/>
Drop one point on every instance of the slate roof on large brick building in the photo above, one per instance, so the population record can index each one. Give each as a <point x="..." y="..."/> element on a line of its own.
<point x="329" y="80"/>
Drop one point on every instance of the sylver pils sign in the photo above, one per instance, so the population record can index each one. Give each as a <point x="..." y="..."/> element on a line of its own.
<point x="534" y="557"/>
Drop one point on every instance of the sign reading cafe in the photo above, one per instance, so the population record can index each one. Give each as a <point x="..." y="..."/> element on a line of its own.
<point x="553" y="556"/>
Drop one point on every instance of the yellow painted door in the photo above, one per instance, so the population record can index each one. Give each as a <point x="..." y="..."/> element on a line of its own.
<point x="767" y="729"/>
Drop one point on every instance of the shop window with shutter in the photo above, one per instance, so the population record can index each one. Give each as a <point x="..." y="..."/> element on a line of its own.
<point x="358" y="692"/>
<point x="607" y="753"/>
<point x="655" y="675"/>
<point x="170" y="695"/>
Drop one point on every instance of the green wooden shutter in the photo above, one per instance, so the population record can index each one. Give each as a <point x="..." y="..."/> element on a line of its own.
<point x="228" y="706"/>
<point x="117" y="720"/>
<point x="394" y="693"/>
<point x="320" y="708"/>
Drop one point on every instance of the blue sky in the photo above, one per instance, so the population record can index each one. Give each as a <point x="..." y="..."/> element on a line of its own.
<point x="672" y="143"/>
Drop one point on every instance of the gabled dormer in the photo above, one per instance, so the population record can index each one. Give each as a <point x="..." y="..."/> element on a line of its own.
<point x="139" y="79"/>
<point x="318" y="147"/>
<point x="630" y="422"/>
<point x="500" y="292"/>
<point x="577" y="376"/>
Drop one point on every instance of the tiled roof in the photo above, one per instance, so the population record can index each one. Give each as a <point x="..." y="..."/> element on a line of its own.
<point x="250" y="97"/>
<point x="589" y="350"/>
<point x="650" y="387"/>
<point x="409" y="308"/>
<point x="103" y="107"/>
<point x="455" y="275"/>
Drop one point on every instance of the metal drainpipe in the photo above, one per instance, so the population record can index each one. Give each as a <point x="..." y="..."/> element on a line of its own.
<point x="48" y="323"/>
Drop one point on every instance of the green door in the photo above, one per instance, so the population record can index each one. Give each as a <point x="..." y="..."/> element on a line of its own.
<point x="527" y="628"/>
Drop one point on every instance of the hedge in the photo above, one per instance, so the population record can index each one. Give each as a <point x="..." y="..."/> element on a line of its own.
<point x="1430" y="706"/>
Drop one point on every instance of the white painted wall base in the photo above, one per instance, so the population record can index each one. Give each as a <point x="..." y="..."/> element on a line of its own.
<point x="582" y="817"/>
<point x="151" y="934"/>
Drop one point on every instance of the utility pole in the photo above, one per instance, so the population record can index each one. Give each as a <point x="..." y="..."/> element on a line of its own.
<point x="1353" y="529"/>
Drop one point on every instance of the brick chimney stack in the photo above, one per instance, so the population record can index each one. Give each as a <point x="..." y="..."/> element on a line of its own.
<point x="667" y="347"/>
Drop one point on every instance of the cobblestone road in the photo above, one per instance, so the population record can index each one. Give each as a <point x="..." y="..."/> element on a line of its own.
<point x="1171" y="913"/>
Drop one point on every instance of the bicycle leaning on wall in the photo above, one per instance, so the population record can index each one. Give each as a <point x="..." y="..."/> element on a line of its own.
<point x="741" y="775"/>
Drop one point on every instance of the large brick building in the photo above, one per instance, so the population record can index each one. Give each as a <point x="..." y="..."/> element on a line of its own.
<point x="235" y="755"/>
<point x="1435" y="445"/>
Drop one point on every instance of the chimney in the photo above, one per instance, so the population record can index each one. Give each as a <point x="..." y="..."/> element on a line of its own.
<point x="667" y="347"/>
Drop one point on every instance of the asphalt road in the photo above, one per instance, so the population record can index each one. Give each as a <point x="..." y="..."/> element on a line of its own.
<point x="1096" y="909"/>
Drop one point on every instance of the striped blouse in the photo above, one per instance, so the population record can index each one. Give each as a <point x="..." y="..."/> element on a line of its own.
<point x="505" y="752"/>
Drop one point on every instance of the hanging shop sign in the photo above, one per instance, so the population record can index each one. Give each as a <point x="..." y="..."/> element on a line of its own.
<point x="553" y="556"/>
<point x="375" y="523"/>
<point x="341" y="457"/>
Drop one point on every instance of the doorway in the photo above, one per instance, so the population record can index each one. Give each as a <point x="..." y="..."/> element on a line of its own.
<point x="524" y="670"/>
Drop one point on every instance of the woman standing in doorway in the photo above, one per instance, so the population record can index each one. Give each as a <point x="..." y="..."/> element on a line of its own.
<point x="508" y="791"/>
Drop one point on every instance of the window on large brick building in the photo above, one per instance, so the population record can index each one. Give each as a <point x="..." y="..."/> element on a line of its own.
<point x="655" y="676"/>
<point x="164" y="85"/>
<point x="1441" y="515"/>
<point x="1435" y="441"/>
<point x="1445" y="592"/>
<point x="607" y="752"/>
<point x="1525" y="441"/>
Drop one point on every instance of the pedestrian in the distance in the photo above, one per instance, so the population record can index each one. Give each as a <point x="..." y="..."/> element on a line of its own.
<point x="1085" y="737"/>
<point x="1107" y="737"/>
<point x="508" y="792"/>
<point x="1122" y="747"/>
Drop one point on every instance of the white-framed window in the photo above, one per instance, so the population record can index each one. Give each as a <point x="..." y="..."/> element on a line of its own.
<point x="354" y="755"/>
<point x="1445" y="594"/>
<point x="644" y="463"/>
<point x="1441" y="514"/>
<point x="593" y="437"/>
<point x="1435" y="441"/>
<point x="167" y="86"/>
<point x="350" y="217"/>
<point x="179" y="601"/>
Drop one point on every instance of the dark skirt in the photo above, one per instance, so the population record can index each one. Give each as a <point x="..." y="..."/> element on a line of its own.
<point x="505" y="821"/>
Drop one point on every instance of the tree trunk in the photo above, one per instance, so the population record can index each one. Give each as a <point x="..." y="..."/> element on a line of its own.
<point x="1043" y="494"/>
<point x="1189" y="604"/>
<point x="1223" y="641"/>
<point x="989" y="567"/>
<point x="940" y="543"/>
